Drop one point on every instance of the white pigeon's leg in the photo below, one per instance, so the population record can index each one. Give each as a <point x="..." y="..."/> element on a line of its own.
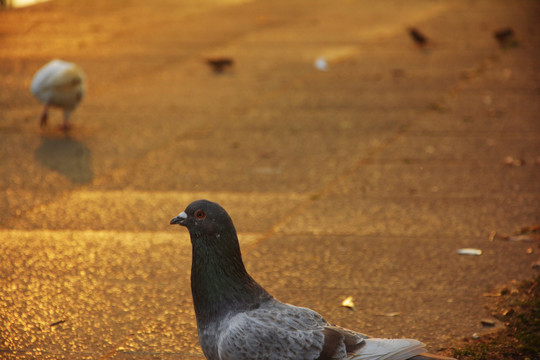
<point x="44" y="115"/>
<point x="65" y="126"/>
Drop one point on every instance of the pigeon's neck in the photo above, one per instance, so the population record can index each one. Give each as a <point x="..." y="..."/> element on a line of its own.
<point x="220" y="283"/>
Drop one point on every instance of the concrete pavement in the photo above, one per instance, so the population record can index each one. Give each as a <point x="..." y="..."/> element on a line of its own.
<point x="359" y="181"/>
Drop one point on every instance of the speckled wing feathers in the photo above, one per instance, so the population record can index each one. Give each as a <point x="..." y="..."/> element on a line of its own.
<point x="275" y="331"/>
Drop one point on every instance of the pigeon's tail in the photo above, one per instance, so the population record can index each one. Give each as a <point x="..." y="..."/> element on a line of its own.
<point x="388" y="349"/>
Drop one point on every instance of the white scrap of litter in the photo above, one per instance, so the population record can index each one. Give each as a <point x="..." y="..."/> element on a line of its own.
<point x="469" y="251"/>
<point x="348" y="303"/>
<point x="321" y="64"/>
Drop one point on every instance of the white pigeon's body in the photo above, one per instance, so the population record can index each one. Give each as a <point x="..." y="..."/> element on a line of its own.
<point x="238" y="320"/>
<point x="59" y="84"/>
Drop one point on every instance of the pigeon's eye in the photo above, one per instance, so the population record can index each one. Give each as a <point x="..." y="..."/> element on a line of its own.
<point x="199" y="214"/>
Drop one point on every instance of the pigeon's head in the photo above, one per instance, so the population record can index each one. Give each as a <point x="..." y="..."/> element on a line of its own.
<point x="203" y="217"/>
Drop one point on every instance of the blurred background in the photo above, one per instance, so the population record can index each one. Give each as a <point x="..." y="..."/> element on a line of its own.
<point x="357" y="145"/>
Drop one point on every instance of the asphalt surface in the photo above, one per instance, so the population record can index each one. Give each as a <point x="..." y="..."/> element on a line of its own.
<point x="362" y="180"/>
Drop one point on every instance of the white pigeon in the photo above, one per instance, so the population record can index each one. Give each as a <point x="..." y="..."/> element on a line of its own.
<point x="239" y="320"/>
<point x="59" y="84"/>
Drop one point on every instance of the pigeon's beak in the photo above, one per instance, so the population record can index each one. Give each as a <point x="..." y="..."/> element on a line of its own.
<point x="180" y="219"/>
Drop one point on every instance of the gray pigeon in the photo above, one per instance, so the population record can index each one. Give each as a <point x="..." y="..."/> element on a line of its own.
<point x="239" y="320"/>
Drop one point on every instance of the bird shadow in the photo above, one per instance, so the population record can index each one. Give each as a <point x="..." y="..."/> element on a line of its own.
<point x="67" y="156"/>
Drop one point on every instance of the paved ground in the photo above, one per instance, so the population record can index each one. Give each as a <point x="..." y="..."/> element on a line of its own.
<point x="360" y="181"/>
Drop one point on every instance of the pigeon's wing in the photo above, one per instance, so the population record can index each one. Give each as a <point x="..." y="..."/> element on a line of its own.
<point x="284" y="332"/>
<point x="272" y="333"/>
<point x="340" y="342"/>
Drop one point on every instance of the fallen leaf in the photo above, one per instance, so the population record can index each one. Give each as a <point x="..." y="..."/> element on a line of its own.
<point x="506" y="37"/>
<point x="348" y="303"/>
<point x="219" y="64"/>
<point x="511" y="161"/>
<point x="508" y="312"/>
